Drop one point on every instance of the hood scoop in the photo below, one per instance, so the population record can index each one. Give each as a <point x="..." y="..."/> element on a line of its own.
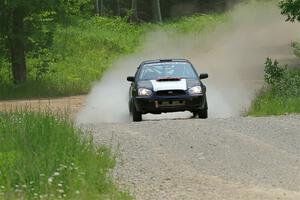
<point x="168" y="79"/>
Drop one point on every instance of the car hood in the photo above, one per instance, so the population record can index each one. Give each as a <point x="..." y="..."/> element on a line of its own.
<point x="181" y="84"/>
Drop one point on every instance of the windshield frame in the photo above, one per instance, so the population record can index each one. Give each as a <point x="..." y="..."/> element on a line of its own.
<point x="141" y="69"/>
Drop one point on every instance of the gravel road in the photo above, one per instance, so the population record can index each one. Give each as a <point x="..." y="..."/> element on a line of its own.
<point x="233" y="158"/>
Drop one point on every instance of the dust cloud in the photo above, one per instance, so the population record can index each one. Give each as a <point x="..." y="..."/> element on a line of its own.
<point x="233" y="55"/>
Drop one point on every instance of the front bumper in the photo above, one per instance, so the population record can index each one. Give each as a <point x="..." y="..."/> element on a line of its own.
<point x="161" y="104"/>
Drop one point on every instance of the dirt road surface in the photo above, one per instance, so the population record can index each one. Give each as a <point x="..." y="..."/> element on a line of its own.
<point x="70" y="104"/>
<point x="230" y="159"/>
<point x="234" y="158"/>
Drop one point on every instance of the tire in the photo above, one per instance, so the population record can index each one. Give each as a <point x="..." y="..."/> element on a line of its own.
<point x="203" y="112"/>
<point x="195" y="114"/>
<point x="136" y="116"/>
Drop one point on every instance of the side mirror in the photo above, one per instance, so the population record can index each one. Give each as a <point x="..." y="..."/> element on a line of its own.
<point x="203" y="76"/>
<point x="130" y="78"/>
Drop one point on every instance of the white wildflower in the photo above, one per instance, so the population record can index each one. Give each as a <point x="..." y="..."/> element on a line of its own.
<point x="56" y="174"/>
<point x="17" y="190"/>
<point x="63" y="166"/>
<point x="60" y="191"/>
<point x="50" y="180"/>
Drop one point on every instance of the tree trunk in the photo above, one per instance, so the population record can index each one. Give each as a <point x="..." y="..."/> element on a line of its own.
<point x="229" y="4"/>
<point x="156" y="11"/>
<point x="118" y="8"/>
<point x="17" y="48"/>
<point x="134" y="16"/>
<point x="96" y="6"/>
<point x="101" y="8"/>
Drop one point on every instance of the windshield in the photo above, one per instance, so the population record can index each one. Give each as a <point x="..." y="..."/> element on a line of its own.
<point x="155" y="71"/>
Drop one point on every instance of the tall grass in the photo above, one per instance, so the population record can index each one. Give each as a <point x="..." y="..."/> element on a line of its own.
<point x="268" y="103"/>
<point x="196" y="23"/>
<point x="45" y="157"/>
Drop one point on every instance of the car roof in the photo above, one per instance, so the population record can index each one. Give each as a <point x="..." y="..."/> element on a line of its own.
<point x="164" y="60"/>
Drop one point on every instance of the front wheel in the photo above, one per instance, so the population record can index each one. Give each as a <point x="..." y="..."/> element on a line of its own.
<point x="136" y="116"/>
<point x="202" y="113"/>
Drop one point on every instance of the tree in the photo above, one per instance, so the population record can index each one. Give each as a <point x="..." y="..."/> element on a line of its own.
<point x="96" y="7"/>
<point x="14" y="13"/>
<point x="16" y="42"/>
<point x="17" y="18"/>
<point x="156" y="11"/>
<point x="118" y="8"/>
<point x="290" y="8"/>
<point x="101" y="8"/>
<point x="134" y="8"/>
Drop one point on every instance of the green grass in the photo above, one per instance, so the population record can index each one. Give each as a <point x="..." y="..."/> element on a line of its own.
<point x="196" y="23"/>
<point x="84" y="49"/>
<point x="268" y="103"/>
<point x="43" y="156"/>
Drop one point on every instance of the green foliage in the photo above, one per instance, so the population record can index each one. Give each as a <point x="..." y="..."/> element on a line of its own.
<point x="282" y="81"/>
<point x="5" y="73"/>
<point x="79" y="55"/>
<point x="28" y="28"/>
<point x="81" y="52"/>
<point x="282" y="94"/>
<point x="273" y="73"/>
<point x="43" y="156"/>
<point x="296" y="47"/>
<point x="290" y="8"/>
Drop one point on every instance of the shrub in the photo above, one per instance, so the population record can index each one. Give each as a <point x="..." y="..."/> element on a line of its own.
<point x="281" y="80"/>
<point x="282" y="94"/>
<point x="296" y="47"/>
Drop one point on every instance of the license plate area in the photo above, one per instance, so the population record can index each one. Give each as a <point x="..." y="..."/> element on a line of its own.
<point x="171" y="103"/>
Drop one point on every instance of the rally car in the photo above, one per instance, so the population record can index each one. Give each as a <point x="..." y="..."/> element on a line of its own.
<point x="169" y="85"/>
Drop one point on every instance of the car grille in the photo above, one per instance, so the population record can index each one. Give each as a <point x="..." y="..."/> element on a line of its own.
<point x="170" y="93"/>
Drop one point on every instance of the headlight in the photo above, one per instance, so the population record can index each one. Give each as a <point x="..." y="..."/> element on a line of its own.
<point x="195" y="90"/>
<point x="144" y="92"/>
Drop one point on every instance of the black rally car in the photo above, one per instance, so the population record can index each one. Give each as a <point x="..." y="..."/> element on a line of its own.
<point x="169" y="85"/>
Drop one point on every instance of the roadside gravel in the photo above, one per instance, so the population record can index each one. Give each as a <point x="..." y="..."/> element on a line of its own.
<point x="233" y="158"/>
